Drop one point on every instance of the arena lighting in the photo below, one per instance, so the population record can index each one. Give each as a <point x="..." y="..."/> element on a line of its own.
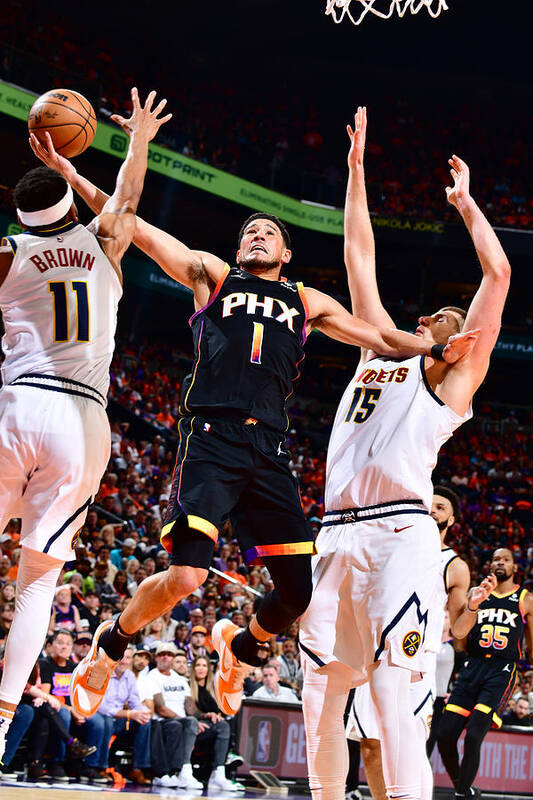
<point x="318" y="205"/>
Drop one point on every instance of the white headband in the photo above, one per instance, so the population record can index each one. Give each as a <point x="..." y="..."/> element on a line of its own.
<point x="34" y="219"/>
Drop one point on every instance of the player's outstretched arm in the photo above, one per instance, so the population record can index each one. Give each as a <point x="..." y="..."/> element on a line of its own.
<point x="467" y="619"/>
<point x="188" y="267"/>
<point x="486" y="308"/>
<point x="359" y="249"/>
<point x="116" y="222"/>
<point x="330" y="317"/>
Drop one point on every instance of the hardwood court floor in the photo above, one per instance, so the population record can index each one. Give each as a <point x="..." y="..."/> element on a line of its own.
<point x="31" y="791"/>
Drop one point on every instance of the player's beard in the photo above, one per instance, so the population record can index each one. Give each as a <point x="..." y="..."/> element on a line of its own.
<point x="442" y="526"/>
<point x="501" y="574"/>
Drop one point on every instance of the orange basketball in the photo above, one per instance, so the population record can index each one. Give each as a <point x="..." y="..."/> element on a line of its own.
<point x="68" y="117"/>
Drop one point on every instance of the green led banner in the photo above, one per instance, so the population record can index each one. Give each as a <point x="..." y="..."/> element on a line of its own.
<point x="109" y="139"/>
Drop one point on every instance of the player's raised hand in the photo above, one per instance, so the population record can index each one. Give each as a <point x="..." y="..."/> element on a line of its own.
<point x="460" y="191"/>
<point x="357" y="136"/>
<point x="50" y="158"/>
<point x="460" y="345"/>
<point x="143" y="119"/>
<point x="480" y="593"/>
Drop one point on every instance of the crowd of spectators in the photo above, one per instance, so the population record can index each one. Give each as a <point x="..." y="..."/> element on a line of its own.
<point x="488" y="463"/>
<point x="290" y="144"/>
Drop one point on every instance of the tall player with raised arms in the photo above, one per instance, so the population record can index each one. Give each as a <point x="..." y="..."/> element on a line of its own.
<point x="60" y="283"/>
<point x="379" y="549"/>
<point x="249" y="329"/>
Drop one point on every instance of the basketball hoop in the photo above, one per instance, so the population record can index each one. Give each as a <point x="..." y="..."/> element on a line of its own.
<point x="356" y="10"/>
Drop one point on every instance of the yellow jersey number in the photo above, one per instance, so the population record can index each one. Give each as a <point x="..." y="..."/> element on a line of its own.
<point x="363" y="404"/>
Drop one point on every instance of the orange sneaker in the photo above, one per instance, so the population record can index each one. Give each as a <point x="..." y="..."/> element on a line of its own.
<point x="90" y="678"/>
<point x="230" y="674"/>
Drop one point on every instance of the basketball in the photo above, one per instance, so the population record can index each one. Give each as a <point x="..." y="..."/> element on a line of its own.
<point x="68" y="117"/>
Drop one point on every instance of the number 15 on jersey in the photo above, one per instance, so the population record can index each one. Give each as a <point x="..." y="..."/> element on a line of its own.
<point x="363" y="404"/>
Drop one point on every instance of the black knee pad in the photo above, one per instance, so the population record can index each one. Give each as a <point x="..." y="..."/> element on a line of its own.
<point x="190" y="548"/>
<point x="292" y="581"/>
<point x="293" y="587"/>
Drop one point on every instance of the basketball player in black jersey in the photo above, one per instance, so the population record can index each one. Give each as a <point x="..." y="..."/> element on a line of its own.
<point x="249" y="330"/>
<point x="497" y="616"/>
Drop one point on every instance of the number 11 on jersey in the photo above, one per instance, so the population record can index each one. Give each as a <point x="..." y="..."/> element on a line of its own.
<point x="257" y="343"/>
<point x="61" y="305"/>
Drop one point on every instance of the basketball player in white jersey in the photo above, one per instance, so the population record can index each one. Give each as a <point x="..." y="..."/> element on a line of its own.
<point x="60" y="283"/>
<point x="452" y="589"/>
<point x="379" y="551"/>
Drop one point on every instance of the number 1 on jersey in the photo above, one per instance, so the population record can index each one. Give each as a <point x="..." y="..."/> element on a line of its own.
<point x="59" y="291"/>
<point x="257" y="343"/>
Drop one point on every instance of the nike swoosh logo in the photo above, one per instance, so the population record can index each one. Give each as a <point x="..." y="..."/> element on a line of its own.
<point x="397" y="530"/>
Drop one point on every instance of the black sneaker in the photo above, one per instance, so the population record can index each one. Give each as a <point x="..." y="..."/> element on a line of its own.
<point x="77" y="749"/>
<point x="97" y="776"/>
<point x="472" y="794"/>
<point x="58" y="774"/>
<point x="36" y="772"/>
<point x="7" y="775"/>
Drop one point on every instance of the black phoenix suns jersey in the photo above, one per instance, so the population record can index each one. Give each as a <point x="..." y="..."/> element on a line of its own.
<point x="499" y="627"/>
<point x="248" y="341"/>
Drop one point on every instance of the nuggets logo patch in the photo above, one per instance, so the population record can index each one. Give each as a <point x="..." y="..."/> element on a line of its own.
<point x="411" y="643"/>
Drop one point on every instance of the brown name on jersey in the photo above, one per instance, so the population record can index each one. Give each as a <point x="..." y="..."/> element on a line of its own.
<point x="63" y="257"/>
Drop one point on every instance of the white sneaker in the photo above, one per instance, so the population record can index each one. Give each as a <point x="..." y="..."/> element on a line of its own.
<point x="219" y="783"/>
<point x="186" y="779"/>
<point x="168" y="781"/>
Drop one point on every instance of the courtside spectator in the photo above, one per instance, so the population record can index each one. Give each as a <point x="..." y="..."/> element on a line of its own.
<point x="124" y="714"/>
<point x="55" y="673"/>
<point x="291" y="671"/>
<point x="174" y="731"/>
<point x="213" y="729"/>
<point x="271" y="690"/>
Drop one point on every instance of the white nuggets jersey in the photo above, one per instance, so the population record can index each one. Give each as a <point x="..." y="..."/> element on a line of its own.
<point x="59" y="306"/>
<point x="386" y="436"/>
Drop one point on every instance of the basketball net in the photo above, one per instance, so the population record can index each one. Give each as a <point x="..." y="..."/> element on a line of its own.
<point x="356" y="10"/>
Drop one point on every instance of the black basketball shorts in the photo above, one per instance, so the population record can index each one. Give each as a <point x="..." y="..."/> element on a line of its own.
<point x="232" y="465"/>
<point x="483" y="684"/>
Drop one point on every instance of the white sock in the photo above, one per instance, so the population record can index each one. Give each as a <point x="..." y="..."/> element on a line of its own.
<point x="324" y="700"/>
<point x="36" y="584"/>
<point x="401" y="749"/>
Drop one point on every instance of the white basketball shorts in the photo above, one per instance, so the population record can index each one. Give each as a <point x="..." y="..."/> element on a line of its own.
<point x="362" y="722"/>
<point x="54" y="448"/>
<point x="374" y="581"/>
